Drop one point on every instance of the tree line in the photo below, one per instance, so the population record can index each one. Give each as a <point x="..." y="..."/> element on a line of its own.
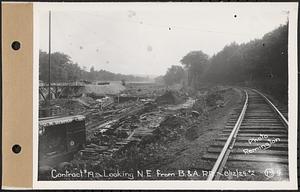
<point x="257" y="60"/>
<point x="260" y="62"/>
<point x="63" y="69"/>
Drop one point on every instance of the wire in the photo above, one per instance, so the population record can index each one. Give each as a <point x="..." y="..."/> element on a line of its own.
<point x="168" y="26"/>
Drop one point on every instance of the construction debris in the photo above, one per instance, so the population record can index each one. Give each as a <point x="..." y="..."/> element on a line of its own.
<point x="169" y="97"/>
<point x="132" y="129"/>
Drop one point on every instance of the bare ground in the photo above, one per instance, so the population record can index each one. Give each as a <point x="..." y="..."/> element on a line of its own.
<point x="191" y="157"/>
<point x="186" y="154"/>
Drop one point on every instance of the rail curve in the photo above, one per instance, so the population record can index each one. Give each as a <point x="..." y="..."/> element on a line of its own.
<point x="253" y="144"/>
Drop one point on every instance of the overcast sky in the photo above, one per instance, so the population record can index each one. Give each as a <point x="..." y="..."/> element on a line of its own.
<point x="149" y="38"/>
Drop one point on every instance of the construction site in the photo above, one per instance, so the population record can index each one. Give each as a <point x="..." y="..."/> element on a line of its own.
<point x="136" y="126"/>
<point x="133" y="105"/>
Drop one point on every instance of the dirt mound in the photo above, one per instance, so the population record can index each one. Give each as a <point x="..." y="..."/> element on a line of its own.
<point x="88" y="100"/>
<point x="172" y="121"/>
<point x="169" y="97"/>
<point x="171" y="127"/>
<point x="192" y="133"/>
<point x="200" y="106"/>
<point x="70" y="104"/>
<point x="214" y="97"/>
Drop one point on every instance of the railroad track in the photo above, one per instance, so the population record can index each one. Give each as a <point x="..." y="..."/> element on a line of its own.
<point x="253" y="144"/>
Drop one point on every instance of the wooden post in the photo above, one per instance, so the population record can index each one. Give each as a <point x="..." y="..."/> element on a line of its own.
<point x="49" y="68"/>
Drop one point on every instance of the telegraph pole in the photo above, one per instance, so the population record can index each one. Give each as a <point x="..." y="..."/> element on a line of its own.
<point x="49" y="59"/>
<point x="49" y="65"/>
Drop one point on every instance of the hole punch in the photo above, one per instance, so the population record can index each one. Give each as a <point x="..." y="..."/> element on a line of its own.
<point x="16" y="148"/>
<point x="16" y="45"/>
<point x="235" y="16"/>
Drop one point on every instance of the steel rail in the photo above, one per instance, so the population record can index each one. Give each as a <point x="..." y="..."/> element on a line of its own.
<point x="281" y="117"/>
<point x="229" y="140"/>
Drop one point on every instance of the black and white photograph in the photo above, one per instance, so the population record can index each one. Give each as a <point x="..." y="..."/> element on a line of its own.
<point x="165" y="91"/>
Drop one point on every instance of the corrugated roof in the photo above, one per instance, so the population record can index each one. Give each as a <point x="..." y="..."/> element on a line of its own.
<point x="60" y="120"/>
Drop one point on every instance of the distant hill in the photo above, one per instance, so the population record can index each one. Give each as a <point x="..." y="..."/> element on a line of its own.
<point x="63" y="69"/>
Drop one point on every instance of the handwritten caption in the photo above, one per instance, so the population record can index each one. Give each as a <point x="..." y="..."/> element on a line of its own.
<point x="56" y="174"/>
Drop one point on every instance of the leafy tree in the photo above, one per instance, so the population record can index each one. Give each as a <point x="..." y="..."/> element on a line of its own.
<point x="257" y="60"/>
<point x="260" y="62"/>
<point x="159" y="79"/>
<point x="175" y="74"/>
<point x="63" y="69"/>
<point x="123" y="82"/>
<point x="195" y="62"/>
<point x="92" y="70"/>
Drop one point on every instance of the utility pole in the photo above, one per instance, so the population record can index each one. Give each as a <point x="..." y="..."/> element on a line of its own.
<point x="49" y="65"/>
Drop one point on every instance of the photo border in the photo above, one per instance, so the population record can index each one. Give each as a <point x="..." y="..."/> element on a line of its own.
<point x="176" y="184"/>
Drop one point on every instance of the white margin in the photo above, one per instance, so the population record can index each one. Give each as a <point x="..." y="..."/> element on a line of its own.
<point x="35" y="93"/>
<point x="158" y="184"/>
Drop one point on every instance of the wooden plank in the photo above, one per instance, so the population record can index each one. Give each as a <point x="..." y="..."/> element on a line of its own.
<point x="277" y="145"/>
<point x="254" y="135"/>
<point x="246" y="139"/>
<point x="257" y="127"/>
<point x="240" y="151"/>
<point x="249" y="158"/>
<point x="265" y="131"/>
